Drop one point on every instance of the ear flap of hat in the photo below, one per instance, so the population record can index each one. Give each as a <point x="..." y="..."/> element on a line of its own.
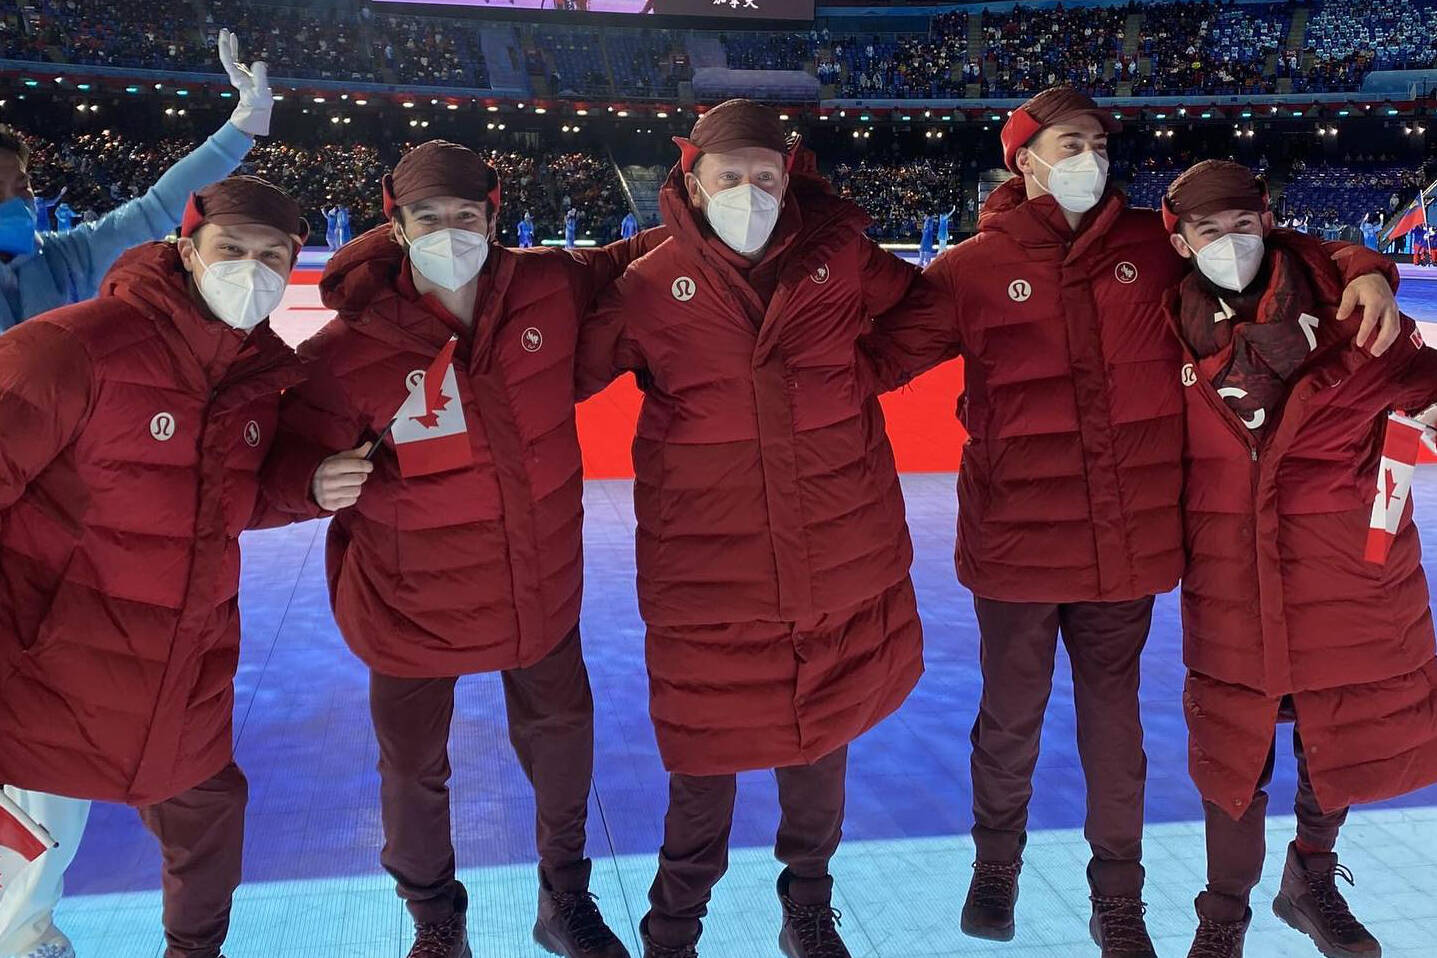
<point x="495" y="194"/>
<point x="795" y="144"/>
<point x="193" y="217"/>
<point x="688" y="153"/>
<point x="388" y="185"/>
<point x="1170" y="219"/>
<point x="1021" y="127"/>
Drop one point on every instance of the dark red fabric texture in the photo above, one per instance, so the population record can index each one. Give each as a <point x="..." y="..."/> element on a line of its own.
<point x="1277" y="599"/>
<point x="477" y="569"/>
<point x="772" y="551"/>
<point x="134" y="431"/>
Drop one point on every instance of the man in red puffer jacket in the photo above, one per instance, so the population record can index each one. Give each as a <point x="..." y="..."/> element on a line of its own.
<point x="1068" y="520"/>
<point x="773" y="555"/>
<point x="1283" y="617"/>
<point x="476" y="568"/>
<point x="135" y="425"/>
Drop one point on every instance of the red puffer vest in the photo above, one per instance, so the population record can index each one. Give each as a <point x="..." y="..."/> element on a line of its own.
<point x="1277" y="599"/>
<point x="134" y="428"/>
<point x="768" y="504"/>
<point x="477" y="569"/>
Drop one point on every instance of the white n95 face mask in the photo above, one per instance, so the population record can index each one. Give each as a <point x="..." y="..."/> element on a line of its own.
<point x="1232" y="260"/>
<point x="742" y="216"/>
<point x="449" y="257"/>
<point x="241" y="292"/>
<point x="1076" y="182"/>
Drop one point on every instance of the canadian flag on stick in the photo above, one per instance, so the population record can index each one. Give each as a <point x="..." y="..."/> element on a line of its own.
<point x="22" y="840"/>
<point x="429" y="431"/>
<point x="1394" y="483"/>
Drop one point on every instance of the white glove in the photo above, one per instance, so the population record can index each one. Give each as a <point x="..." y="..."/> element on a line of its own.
<point x="256" y="102"/>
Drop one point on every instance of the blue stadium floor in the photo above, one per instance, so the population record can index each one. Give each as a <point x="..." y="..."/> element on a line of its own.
<point x="314" y="885"/>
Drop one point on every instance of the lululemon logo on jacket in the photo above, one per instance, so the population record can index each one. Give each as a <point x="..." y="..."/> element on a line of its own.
<point x="1189" y="375"/>
<point x="1019" y="290"/>
<point x="251" y="433"/>
<point x="1126" y="273"/>
<point x="532" y="340"/>
<point x="684" y="288"/>
<point x="415" y="377"/>
<point x="820" y="275"/>
<point x="162" y="427"/>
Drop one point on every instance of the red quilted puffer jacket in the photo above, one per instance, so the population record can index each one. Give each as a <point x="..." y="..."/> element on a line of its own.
<point x="773" y="555"/>
<point x="1277" y="599"/>
<point x="477" y="569"/>
<point x="134" y="428"/>
<point x="1072" y="470"/>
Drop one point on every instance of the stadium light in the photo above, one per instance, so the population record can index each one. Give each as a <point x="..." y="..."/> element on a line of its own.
<point x="182" y="93"/>
<point x="413" y="122"/>
<point x="424" y="123"/>
<point x="623" y="113"/>
<point x="1420" y="129"/>
<point x="493" y="109"/>
<point x="319" y="99"/>
<point x="491" y="126"/>
<point x="564" y="128"/>
<point x="664" y="116"/>
<point x="32" y="83"/>
<point x="1343" y="112"/>
<point x="501" y="126"/>
<point x="576" y="112"/>
<point x="81" y="107"/>
<point x="344" y="96"/>
<point x="1207" y="116"/>
<point x="1391" y="111"/>
<point x="169" y="111"/>
<point x="334" y="119"/>
<point x="453" y="106"/>
<point x="132" y="89"/>
<point x="1246" y="114"/>
<point x="82" y="86"/>
<point x="781" y="116"/>
<point x="1182" y="111"/>
<point x="855" y="134"/>
<point x="521" y="106"/>
<point x="346" y="120"/>
<point x="434" y="101"/>
<point x="408" y="104"/>
<point x="361" y="102"/>
<point x="279" y="96"/>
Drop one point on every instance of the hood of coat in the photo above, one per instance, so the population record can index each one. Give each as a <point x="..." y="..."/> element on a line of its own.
<point x="1040" y="221"/>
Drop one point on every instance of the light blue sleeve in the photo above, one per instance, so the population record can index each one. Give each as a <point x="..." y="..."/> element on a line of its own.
<point x="79" y="258"/>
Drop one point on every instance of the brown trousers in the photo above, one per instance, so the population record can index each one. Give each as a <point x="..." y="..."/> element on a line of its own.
<point x="551" y="727"/>
<point x="1105" y="642"/>
<point x="201" y="834"/>
<point x="1236" y="848"/>
<point x="696" y="833"/>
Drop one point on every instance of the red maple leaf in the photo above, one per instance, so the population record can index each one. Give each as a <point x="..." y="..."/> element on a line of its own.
<point x="430" y="420"/>
<point x="1391" y="487"/>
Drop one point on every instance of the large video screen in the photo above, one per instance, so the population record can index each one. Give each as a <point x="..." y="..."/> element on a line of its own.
<point x="736" y="9"/>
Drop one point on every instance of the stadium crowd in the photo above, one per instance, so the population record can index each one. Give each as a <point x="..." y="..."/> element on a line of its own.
<point x="1179" y="47"/>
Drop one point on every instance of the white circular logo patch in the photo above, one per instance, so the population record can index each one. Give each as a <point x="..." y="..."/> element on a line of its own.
<point x="251" y="433"/>
<point x="414" y="378"/>
<point x="533" y="340"/>
<point x="1189" y="375"/>
<point x="684" y="289"/>
<point x="1126" y="273"/>
<point x="162" y="427"/>
<point x="820" y="275"/>
<point x="1019" y="290"/>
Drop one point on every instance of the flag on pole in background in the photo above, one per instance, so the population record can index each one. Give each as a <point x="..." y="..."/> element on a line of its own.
<point x="22" y="840"/>
<point x="1413" y="216"/>
<point x="429" y="431"/>
<point x="1394" y="484"/>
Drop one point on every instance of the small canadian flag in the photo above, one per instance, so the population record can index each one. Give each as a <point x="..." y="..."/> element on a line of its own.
<point x="22" y="840"/>
<point x="1394" y="483"/>
<point x="429" y="431"/>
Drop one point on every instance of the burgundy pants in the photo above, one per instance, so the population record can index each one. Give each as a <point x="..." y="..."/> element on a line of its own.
<point x="551" y="727"/>
<point x="201" y="834"/>
<point x="1236" y="848"/>
<point x="696" y="832"/>
<point x="1018" y="644"/>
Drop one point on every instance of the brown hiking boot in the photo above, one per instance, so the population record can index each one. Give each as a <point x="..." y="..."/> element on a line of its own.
<point x="988" y="910"/>
<point x="1310" y="902"/>
<point x="1119" y="928"/>
<point x="654" y="950"/>
<point x="1220" y="933"/>
<point x="809" y="931"/>
<point x="570" y="925"/>
<point x="441" y="939"/>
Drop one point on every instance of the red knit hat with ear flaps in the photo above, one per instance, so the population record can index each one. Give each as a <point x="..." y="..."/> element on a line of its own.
<point x="245" y="200"/>
<point x="440" y="168"/>
<point x="736" y="125"/>
<point x="1053" y="105"/>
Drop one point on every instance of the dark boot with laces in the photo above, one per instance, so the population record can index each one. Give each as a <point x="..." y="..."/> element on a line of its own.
<point x="809" y="931"/>
<point x="1120" y="929"/>
<point x="1310" y="902"/>
<point x="441" y="939"/>
<point x="1222" y="926"/>
<point x="652" y="949"/>
<point x="571" y="926"/>
<point x="992" y="895"/>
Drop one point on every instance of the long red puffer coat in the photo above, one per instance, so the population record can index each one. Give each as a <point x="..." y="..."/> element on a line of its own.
<point x="134" y="428"/>
<point x="477" y="569"/>
<point x="1277" y="599"/>
<point x="1072" y="470"/>
<point x="773" y="555"/>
